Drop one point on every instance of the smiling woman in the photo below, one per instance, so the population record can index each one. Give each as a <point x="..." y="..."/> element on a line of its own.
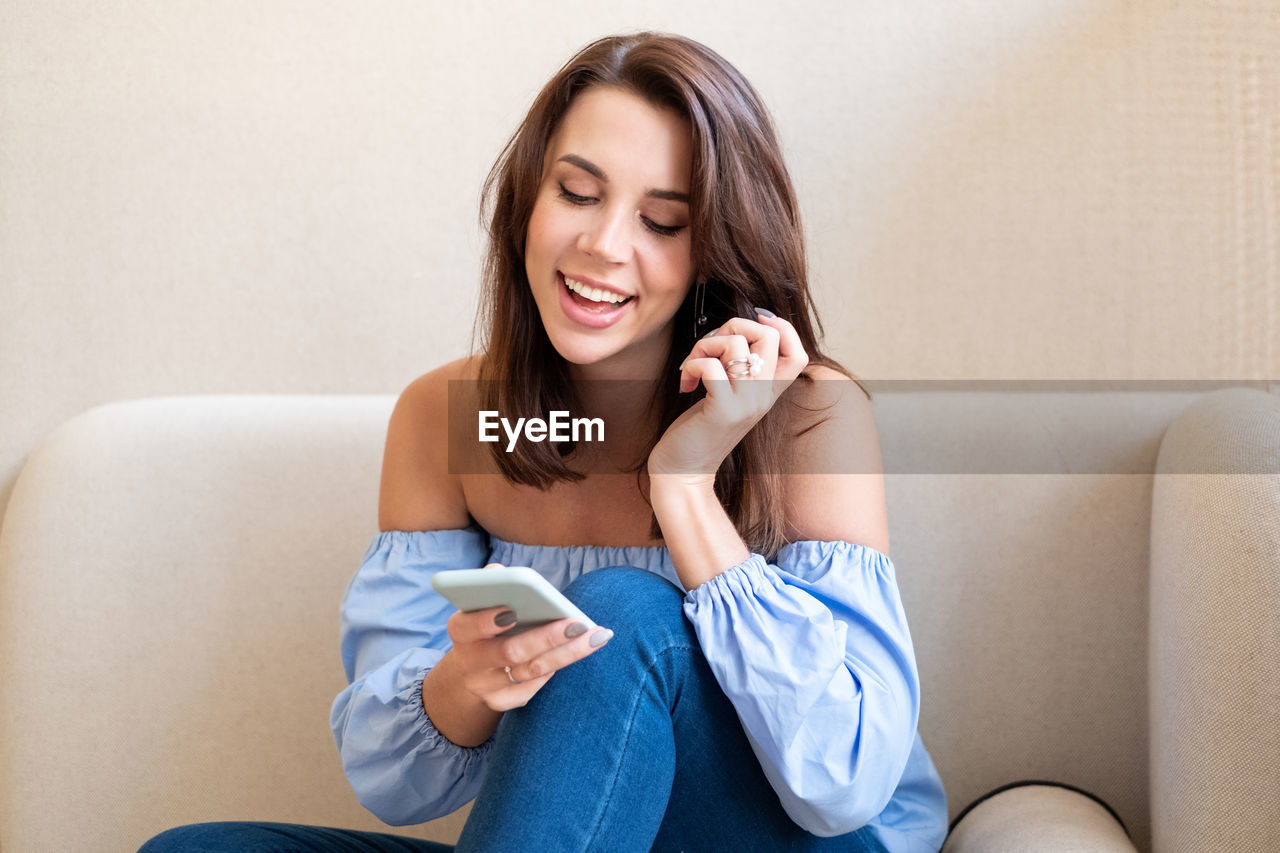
<point x="608" y="242"/>
<point x="751" y="683"/>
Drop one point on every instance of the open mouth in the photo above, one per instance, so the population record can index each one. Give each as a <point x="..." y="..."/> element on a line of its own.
<point x="593" y="299"/>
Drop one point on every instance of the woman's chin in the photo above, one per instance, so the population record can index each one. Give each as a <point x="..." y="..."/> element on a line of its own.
<point x="589" y="358"/>
<point x="583" y="356"/>
<point x="611" y="354"/>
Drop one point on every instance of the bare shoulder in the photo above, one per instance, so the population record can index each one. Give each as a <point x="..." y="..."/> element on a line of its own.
<point x="837" y="489"/>
<point x="828" y="386"/>
<point x="829" y="415"/>
<point x="418" y="492"/>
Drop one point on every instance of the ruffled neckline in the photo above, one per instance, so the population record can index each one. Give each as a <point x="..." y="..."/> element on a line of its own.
<point x="573" y="560"/>
<point x="562" y="563"/>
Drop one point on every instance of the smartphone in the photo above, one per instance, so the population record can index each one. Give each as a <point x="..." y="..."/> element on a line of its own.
<point x="533" y="598"/>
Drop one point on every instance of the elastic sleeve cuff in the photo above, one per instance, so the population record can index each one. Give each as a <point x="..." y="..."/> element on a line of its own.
<point x="746" y="578"/>
<point x="467" y="757"/>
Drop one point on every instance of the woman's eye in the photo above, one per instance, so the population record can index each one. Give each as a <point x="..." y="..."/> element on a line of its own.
<point x="574" y="198"/>
<point x="656" y="228"/>
<point x="663" y="230"/>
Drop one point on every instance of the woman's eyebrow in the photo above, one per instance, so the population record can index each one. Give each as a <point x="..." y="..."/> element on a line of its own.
<point x="598" y="173"/>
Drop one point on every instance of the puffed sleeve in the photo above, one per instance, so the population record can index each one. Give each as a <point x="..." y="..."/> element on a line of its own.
<point x="814" y="653"/>
<point x="392" y="633"/>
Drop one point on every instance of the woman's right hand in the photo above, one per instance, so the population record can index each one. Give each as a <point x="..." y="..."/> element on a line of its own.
<point x="505" y="672"/>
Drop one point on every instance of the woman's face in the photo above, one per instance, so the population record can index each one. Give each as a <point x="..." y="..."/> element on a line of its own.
<point x="608" y="248"/>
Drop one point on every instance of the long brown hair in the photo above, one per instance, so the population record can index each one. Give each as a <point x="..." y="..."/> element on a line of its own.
<point x="747" y="246"/>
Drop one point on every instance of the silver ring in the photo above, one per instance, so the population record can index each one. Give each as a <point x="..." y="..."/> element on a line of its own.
<point x="510" y="677"/>
<point x="754" y="362"/>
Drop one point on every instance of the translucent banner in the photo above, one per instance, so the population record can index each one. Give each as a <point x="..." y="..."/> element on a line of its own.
<point x="920" y="426"/>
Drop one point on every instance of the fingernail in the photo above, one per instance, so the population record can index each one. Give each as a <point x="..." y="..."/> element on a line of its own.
<point x="577" y="629"/>
<point x="599" y="638"/>
<point x="505" y="618"/>
<point x="711" y="334"/>
<point x="766" y="312"/>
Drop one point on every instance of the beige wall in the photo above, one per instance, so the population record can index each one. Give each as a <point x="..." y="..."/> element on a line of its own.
<point x="281" y="196"/>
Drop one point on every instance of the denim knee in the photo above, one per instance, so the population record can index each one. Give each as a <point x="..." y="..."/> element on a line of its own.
<point x="616" y="592"/>
<point x="268" y="837"/>
<point x="196" y="838"/>
<point x="633" y="602"/>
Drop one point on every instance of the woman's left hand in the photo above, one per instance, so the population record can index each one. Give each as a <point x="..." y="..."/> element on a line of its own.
<point x="745" y="365"/>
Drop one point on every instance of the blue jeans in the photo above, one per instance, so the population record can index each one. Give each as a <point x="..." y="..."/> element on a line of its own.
<point x="634" y="748"/>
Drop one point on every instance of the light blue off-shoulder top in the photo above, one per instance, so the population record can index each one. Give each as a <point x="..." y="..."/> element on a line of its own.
<point x="832" y="721"/>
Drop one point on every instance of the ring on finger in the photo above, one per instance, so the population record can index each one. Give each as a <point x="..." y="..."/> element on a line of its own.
<point x="511" y="677"/>
<point x="754" y="365"/>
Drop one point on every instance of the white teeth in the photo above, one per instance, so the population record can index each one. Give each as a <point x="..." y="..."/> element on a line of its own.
<point x="595" y="294"/>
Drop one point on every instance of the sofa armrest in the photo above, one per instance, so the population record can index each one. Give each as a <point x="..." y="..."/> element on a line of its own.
<point x="1039" y="817"/>
<point x="1214" y="645"/>
<point x="170" y="576"/>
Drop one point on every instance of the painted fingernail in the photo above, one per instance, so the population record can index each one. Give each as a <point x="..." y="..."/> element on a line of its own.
<point x="766" y="312"/>
<point x="577" y="629"/>
<point x="599" y="638"/>
<point x="505" y="618"/>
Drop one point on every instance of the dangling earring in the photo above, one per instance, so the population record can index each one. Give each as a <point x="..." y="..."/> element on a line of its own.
<point x="699" y="308"/>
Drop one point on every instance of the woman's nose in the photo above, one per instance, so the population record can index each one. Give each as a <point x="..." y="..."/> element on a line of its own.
<point x="607" y="237"/>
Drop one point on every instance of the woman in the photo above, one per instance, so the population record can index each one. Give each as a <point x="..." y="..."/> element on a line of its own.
<point x="753" y="684"/>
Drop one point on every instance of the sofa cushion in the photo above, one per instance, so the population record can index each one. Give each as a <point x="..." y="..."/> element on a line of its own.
<point x="1043" y="817"/>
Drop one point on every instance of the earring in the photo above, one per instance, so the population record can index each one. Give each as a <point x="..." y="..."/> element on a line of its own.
<point x="699" y="308"/>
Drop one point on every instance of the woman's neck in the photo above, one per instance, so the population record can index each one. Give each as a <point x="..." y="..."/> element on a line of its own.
<point x="628" y="404"/>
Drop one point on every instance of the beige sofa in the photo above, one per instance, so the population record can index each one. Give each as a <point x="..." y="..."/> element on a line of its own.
<point x="1092" y="577"/>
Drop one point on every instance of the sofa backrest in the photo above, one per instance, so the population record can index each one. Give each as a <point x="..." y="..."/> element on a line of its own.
<point x="170" y="572"/>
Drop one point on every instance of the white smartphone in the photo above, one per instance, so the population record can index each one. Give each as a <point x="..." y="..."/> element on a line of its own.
<point x="533" y="598"/>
